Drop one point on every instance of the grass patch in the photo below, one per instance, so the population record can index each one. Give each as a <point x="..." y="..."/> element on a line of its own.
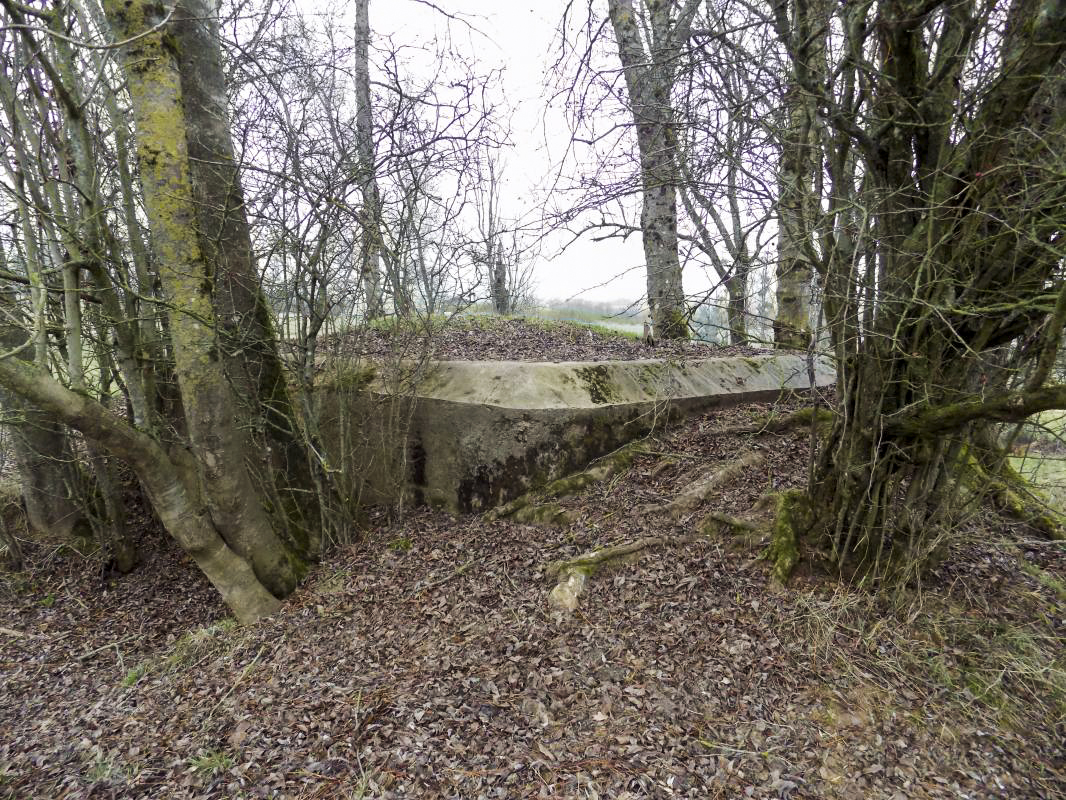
<point x="609" y="326"/>
<point x="1045" y="578"/>
<point x="196" y="644"/>
<point x="1047" y="473"/>
<point x="400" y="545"/>
<point x="100" y="770"/>
<point x="103" y="769"/>
<point x="134" y="675"/>
<point x="1000" y="673"/>
<point x="334" y="584"/>
<point x="193" y="647"/>
<point x="209" y="763"/>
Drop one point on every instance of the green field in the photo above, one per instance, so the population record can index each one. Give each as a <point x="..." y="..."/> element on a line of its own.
<point x="1043" y="461"/>
<point x="1048" y="474"/>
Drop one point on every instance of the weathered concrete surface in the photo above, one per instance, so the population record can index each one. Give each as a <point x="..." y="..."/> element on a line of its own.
<point x="477" y="434"/>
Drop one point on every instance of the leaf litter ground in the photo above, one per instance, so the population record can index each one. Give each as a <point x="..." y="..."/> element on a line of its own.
<point x="425" y="662"/>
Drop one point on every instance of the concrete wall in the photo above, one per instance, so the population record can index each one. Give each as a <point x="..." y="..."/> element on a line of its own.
<point x="477" y="434"/>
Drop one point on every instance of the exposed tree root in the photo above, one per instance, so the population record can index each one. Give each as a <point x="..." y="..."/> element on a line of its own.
<point x="783" y="517"/>
<point x="706" y="486"/>
<point x="602" y="469"/>
<point x="716" y="524"/>
<point x="791" y="521"/>
<point x="524" y="509"/>
<point x="778" y="423"/>
<point x="545" y="514"/>
<point x="572" y="576"/>
<point x="1014" y="496"/>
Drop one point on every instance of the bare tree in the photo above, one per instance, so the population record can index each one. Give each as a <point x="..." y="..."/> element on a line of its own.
<point x="725" y="100"/>
<point x="650" y="61"/>
<point x="499" y="250"/>
<point x="802" y="27"/>
<point x="650" y="40"/>
<point x="370" y="213"/>
<point x="940" y="258"/>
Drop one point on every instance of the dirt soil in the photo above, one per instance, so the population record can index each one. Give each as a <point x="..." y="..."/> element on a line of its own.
<point x="425" y="662"/>
<point x="489" y="338"/>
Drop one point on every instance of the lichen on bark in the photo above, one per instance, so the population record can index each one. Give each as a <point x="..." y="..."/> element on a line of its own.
<point x="791" y="521"/>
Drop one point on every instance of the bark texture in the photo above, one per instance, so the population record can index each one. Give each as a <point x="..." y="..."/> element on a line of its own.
<point x="967" y="229"/>
<point x="222" y="448"/>
<point x="51" y="481"/>
<point x="244" y="324"/>
<point x="802" y="27"/>
<point x="370" y="213"/>
<point x="649" y="74"/>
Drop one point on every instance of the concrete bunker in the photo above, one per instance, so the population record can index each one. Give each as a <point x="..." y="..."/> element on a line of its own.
<point x="472" y="435"/>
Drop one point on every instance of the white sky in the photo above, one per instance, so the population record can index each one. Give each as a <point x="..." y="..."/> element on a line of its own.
<point x="520" y="37"/>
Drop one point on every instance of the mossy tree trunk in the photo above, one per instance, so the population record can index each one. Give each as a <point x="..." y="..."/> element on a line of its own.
<point x="244" y="322"/>
<point x="964" y="256"/>
<point x="735" y="274"/>
<point x="801" y="26"/>
<point x="238" y="509"/>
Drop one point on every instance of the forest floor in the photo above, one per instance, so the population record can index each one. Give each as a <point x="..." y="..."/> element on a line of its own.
<point x="424" y="661"/>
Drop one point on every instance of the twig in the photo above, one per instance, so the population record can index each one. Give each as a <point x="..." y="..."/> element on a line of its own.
<point x="236" y="683"/>
<point x="440" y="582"/>
<point x="108" y="646"/>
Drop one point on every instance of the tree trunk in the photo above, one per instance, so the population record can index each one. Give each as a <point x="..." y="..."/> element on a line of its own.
<point x="52" y="483"/>
<point x="736" y="287"/>
<point x="968" y="263"/>
<point x="244" y="322"/>
<point x="370" y="213"/>
<point x="501" y="297"/>
<point x="798" y="25"/>
<point x="222" y="447"/>
<point x="649" y="80"/>
<point x="734" y="277"/>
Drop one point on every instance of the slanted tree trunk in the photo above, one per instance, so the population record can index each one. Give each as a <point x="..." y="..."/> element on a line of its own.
<point x="245" y="326"/>
<point x="649" y="75"/>
<point x="173" y="498"/>
<point x="221" y="446"/>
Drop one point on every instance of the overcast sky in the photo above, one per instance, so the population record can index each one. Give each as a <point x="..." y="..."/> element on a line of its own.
<point x="520" y="38"/>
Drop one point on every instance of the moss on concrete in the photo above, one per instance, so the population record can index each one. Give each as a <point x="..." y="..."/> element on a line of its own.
<point x="597" y="382"/>
<point x="351" y="379"/>
<point x="605" y="468"/>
